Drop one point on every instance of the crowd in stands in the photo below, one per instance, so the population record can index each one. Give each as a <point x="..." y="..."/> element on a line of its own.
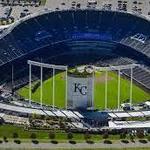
<point x="140" y="74"/>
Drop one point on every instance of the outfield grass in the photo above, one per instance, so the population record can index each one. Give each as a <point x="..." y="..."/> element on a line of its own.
<point x="139" y="95"/>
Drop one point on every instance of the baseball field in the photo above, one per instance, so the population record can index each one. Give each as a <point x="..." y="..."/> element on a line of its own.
<point x="139" y="95"/>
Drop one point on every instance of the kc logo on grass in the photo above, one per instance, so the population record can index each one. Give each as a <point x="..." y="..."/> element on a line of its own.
<point x="82" y="89"/>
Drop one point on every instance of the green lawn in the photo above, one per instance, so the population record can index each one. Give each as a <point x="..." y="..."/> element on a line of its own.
<point x="43" y="135"/>
<point x="60" y="136"/>
<point x="114" y="149"/>
<point x="8" y="130"/>
<point x="139" y="95"/>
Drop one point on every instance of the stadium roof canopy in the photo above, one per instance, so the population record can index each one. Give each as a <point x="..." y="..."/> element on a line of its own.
<point x="128" y="124"/>
<point x="147" y="103"/>
<point x="54" y="27"/>
<point x="126" y="114"/>
<point x="59" y="113"/>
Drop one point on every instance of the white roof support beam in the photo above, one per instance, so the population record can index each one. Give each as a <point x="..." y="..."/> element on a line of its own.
<point x="114" y="68"/>
<point x="44" y="65"/>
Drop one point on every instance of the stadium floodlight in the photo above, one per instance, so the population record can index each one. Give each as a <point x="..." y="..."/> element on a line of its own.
<point x="30" y="86"/>
<point x="114" y="68"/>
<point x="66" y="94"/>
<point x="45" y="65"/>
<point x="118" y="89"/>
<point x="93" y="87"/>
<point x="49" y="66"/>
<point x="41" y="94"/>
<point x="12" y="77"/>
<point x="53" y="88"/>
<point x="106" y="89"/>
<point x="131" y="84"/>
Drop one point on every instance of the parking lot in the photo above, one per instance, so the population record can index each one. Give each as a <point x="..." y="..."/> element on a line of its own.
<point x="17" y="9"/>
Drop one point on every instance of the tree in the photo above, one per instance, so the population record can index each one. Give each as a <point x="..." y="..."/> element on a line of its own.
<point x="33" y="136"/>
<point x="140" y="134"/>
<point x="106" y="135"/>
<point x="15" y="135"/>
<point x="5" y="139"/>
<point x="148" y="137"/>
<point x="70" y="136"/>
<point x="34" y="116"/>
<point x="123" y="135"/>
<point x="51" y="135"/>
<point x="87" y="136"/>
<point x="132" y="137"/>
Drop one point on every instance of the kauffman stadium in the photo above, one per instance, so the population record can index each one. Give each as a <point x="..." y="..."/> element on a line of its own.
<point x="75" y="37"/>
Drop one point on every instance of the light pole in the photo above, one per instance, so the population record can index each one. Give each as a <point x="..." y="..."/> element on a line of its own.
<point x="118" y="89"/>
<point x="53" y="88"/>
<point x="106" y="88"/>
<point x="66" y="98"/>
<point x="30" y="88"/>
<point x="41" y="95"/>
<point x="131" y="85"/>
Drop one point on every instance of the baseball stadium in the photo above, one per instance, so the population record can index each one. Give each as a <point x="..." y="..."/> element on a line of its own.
<point x="49" y="56"/>
<point x="77" y="38"/>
